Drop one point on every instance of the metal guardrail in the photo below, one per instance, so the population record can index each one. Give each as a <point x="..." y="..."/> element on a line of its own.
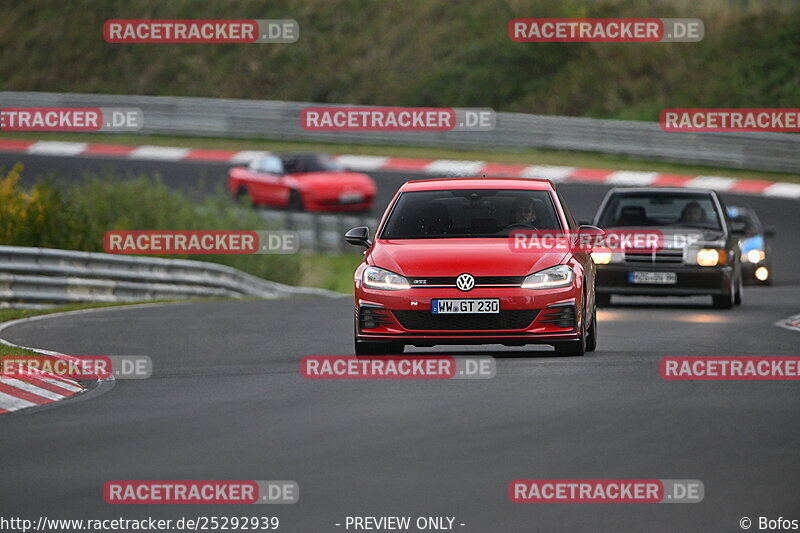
<point x="217" y="117"/>
<point x="319" y="232"/>
<point x="44" y="275"/>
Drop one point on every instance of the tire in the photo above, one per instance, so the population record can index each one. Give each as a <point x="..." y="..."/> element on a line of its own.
<point x="725" y="301"/>
<point x="243" y="196"/>
<point x="573" y="348"/>
<point x="295" y="201"/>
<point x="603" y="299"/>
<point x="737" y="297"/>
<point x="591" y="337"/>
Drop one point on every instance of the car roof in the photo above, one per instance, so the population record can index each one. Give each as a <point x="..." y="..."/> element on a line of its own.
<point x="443" y="184"/>
<point x="665" y="190"/>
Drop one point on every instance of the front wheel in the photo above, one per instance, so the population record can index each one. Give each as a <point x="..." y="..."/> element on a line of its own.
<point x="575" y="348"/>
<point x="737" y="298"/>
<point x="591" y="337"/>
<point x="726" y="300"/>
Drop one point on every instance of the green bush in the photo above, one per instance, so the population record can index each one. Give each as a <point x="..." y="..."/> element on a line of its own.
<point x="77" y="216"/>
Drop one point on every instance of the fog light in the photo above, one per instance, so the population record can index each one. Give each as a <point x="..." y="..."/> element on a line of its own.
<point x="762" y="273"/>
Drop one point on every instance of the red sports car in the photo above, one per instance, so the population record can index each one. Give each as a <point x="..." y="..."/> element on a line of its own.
<point x="310" y="182"/>
<point x="441" y="270"/>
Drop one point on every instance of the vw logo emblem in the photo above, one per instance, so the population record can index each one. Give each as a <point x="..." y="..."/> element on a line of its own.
<point x="465" y="282"/>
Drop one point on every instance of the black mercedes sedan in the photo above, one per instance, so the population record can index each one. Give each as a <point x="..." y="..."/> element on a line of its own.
<point x="698" y="253"/>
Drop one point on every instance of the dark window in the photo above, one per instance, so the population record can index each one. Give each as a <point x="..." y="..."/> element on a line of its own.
<point x="643" y="209"/>
<point x="469" y="213"/>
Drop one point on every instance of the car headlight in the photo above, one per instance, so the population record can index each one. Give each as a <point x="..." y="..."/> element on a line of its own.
<point x="379" y="278"/>
<point x="709" y="257"/>
<point x="754" y="256"/>
<point x="550" y="278"/>
<point x="601" y="258"/>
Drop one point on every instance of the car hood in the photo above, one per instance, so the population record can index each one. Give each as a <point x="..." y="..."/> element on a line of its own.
<point x="451" y="257"/>
<point x="336" y="179"/>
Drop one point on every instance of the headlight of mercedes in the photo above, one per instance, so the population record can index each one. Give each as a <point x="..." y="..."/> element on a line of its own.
<point x="601" y="258"/>
<point x="550" y="278"/>
<point x="379" y="278"/>
<point x="709" y="257"/>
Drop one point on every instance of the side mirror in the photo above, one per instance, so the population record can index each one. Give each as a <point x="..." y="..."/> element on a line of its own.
<point x="738" y="227"/>
<point x="358" y="236"/>
<point x="582" y="223"/>
<point x="591" y="230"/>
<point x="769" y="231"/>
<point x="588" y="229"/>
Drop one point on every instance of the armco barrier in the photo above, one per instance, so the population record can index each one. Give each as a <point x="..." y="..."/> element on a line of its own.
<point x="217" y="117"/>
<point x="44" y="275"/>
<point x="319" y="232"/>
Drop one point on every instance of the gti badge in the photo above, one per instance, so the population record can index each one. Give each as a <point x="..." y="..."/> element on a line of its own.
<point x="465" y="282"/>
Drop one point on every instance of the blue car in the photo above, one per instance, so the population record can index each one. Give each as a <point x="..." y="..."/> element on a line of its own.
<point x="756" y="263"/>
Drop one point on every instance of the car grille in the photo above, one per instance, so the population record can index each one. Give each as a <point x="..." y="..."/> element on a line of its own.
<point x="667" y="256"/>
<point x="479" y="280"/>
<point x="504" y="320"/>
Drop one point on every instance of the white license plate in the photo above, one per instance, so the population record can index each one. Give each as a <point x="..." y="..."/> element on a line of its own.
<point x="350" y="198"/>
<point x="655" y="278"/>
<point x="465" y="306"/>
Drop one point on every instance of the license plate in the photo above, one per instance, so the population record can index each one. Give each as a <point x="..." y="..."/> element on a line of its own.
<point x="465" y="306"/>
<point x="655" y="278"/>
<point x="350" y="198"/>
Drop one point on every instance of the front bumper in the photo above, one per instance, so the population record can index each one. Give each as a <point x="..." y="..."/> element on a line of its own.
<point x="691" y="280"/>
<point x="526" y="317"/>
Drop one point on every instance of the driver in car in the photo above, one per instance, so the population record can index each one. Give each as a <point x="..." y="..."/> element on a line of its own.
<point x="693" y="213"/>
<point x="523" y="212"/>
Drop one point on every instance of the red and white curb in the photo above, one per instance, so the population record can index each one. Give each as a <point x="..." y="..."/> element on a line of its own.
<point x="445" y="167"/>
<point x="21" y="393"/>
<point x="16" y="394"/>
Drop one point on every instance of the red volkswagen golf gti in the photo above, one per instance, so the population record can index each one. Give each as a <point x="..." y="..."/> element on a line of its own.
<point x="442" y="270"/>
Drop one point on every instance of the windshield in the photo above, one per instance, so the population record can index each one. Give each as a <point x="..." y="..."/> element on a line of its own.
<point x="309" y="163"/>
<point x="490" y="213"/>
<point x="660" y="209"/>
<point x="746" y="217"/>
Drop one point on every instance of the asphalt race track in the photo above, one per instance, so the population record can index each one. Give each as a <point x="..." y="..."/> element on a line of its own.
<point x="226" y="401"/>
